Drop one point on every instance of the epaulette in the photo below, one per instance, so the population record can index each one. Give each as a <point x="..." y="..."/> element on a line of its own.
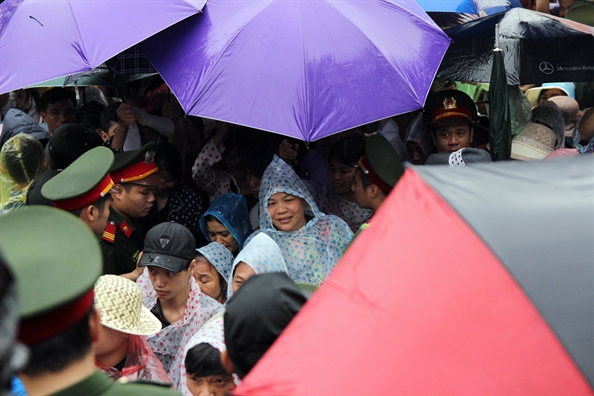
<point x="109" y="232"/>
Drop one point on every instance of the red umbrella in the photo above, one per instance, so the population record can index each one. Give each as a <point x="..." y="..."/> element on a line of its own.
<point x="476" y="280"/>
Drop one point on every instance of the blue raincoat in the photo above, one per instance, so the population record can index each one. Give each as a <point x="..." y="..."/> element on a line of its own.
<point x="262" y="254"/>
<point x="231" y="211"/>
<point x="312" y="251"/>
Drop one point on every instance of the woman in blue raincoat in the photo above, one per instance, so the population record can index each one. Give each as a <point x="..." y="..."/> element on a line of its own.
<point x="311" y="241"/>
<point x="227" y="221"/>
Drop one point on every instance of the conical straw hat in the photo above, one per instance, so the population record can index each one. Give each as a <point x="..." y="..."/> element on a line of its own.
<point x="120" y="302"/>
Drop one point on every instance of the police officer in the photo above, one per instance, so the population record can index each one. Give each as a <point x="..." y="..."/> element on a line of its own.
<point x="55" y="293"/>
<point x="136" y="177"/>
<point x="84" y="188"/>
<point x="451" y="115"/>
<point x="377" y="172"/>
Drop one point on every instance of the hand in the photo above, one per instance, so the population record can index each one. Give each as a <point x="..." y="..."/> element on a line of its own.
<point x="288" y="152"/>
<point x="172" y="110"/>
<point x="222" y="128"/>
<point x="125" y="115"/>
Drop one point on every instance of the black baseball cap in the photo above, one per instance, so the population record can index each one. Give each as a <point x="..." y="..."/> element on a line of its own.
<point x="170" y="246"/>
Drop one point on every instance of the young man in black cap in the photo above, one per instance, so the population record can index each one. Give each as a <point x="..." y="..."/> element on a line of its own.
<point x="450" y="114"/>
<point x="136" y="177"/>
<point x="172" y="294"/>
<point x="84" y="188"/>
<point x="58" y="323"/>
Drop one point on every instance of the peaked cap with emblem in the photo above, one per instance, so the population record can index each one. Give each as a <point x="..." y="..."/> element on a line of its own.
<point x="380" y="163"/>
<point x="83" y="182"/>
<point x="446" y="104"/>
<point x="170" y="246"/>
<point x="55" y="278"/>
<point x="137" y="166"/>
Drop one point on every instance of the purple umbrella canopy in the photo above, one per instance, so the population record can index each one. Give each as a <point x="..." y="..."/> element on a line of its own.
<point x="41" y="40"/>
<point x="305" y="69"/>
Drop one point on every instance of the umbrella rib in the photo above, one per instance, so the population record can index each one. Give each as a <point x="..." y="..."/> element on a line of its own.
<point x="83" y="52"/>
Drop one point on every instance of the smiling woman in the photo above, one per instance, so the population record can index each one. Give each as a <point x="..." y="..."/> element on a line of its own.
<point x="311" y="242"/>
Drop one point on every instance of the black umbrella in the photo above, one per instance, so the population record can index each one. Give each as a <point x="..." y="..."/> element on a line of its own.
<point x="537" y="48"/>
<point x="499" y="115"/>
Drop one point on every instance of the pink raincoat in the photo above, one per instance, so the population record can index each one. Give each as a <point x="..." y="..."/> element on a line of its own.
<point x="141" y="364"/>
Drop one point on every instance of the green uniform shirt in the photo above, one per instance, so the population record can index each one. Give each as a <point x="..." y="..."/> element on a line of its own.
<point x="119" y="256"/>
<point x="100" y="384"/>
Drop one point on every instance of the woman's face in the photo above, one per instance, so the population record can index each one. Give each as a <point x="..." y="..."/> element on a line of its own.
<point x="209" y="281"/>
<point x="212" y="385"/>
<point x="242" y="273"/>
<point x="341" y="176"/>
<point x="287" y="211"/>
<point x="217" y="232"/>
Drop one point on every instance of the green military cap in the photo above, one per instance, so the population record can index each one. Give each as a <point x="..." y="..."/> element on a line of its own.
<point x="83" y="182"/>
<point x="380" y="163"/>
<point x="137" y="166"/>
<point x="446" y="104"/>
<point x="55" y="271"/>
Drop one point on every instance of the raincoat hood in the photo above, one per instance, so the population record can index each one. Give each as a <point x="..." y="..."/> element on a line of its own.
<point x="231" y="211"/>
<point x="263" y="255"/>
<point x="17" y="122"/>
<point x="219" y="256"/>
<point x="211" y="333"/>
<point x="280" y="177"/>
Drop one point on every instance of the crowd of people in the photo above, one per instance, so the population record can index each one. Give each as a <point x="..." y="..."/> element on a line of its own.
<point x="174" y="250"/>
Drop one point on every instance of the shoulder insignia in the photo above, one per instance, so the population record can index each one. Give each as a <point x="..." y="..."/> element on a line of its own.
<point x="126" y="229"/>
<point x="109" y="232"/>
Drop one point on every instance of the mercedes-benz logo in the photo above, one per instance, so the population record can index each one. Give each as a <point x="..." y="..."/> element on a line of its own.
<point x="546" y="68"/>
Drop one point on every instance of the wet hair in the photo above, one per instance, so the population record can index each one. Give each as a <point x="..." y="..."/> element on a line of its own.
<point x="23" y="158"/>
<point x="110" y="113"/>
<point x="348" y="150"/>
<point x="204" y="360"/>
<point x="58" y="352"/>
<point x="56" y="95"/>
<point x="168" y="158"/>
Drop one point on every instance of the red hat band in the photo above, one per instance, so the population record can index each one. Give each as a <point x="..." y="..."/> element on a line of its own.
<point x="375" y="179"/>
<point x="32" y="331"/>
<point x="134" y="172"/>
<point x="450" y="110"/>
<point x="88" y="198"/>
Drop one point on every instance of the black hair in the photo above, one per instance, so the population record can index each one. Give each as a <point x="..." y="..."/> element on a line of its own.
<point x="99" y="204"/>
<point x="168" y="158"/>
<point x="204" y="360"/>
<point x="366" y="182"/>
<point x="348" y="150"/>
<point x="56" y="95"/>
<point x="110" y="113"/>
<point x="58" y="352"/>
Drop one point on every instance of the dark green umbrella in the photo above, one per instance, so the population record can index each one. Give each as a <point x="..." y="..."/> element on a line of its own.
<point x="499" y="114"/>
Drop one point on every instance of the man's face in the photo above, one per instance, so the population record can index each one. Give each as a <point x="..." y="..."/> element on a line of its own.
<point x="452" y="135"/>
<point x="167" y="284"/>
<point x="59" y="113"/>
<point x="135" y="200"/>
<point x="110" y="340"/>
<point x="360" y="192"/>
<point x="565" y="5"/>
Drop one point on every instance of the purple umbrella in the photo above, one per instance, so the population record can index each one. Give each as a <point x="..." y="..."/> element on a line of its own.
<point x="42" y="40"/>
<point x="305" y="69"/>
